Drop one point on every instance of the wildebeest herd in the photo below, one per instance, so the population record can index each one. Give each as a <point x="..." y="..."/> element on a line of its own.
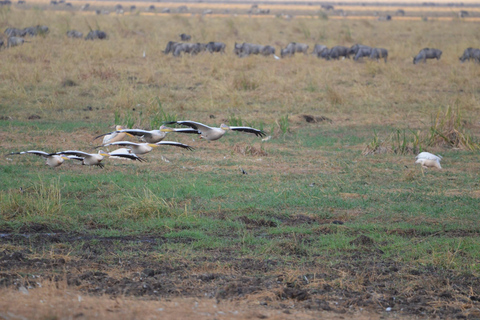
<point x="16" y="36"/>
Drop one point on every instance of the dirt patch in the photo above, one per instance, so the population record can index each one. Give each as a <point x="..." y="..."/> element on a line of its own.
<point x="364" y="280"/>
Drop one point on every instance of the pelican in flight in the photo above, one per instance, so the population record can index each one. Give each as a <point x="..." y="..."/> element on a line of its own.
<point x="428" y="160"/>
<point x="142" y="148"/>
<point x="209" y="133"/>
<point x="53" y="159"/>
<point x="95" y="159"/>
<point x="152" y="136"/>
<point x="116" y="135"/>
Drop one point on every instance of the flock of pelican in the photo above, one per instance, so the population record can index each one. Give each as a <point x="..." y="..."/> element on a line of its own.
<point x="130" y="150"/>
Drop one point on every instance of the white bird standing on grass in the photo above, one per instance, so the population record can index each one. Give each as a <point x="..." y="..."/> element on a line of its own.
<point x="212" y="133"/>
<point x="53" y="159"/>
<point x="152" y="136"/>
<point x="142" y="148"/>
<point x="428" y="160"/>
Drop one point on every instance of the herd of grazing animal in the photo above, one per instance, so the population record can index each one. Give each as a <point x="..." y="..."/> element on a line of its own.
<point x="148" y="140"/>
<point x="15" y="37"/>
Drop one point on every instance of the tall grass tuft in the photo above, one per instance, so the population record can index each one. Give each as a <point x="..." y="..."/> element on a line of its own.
<point x="284" y="124"/>
<point x="148" y="205"/>
<point x="160" y="116"/>
<point x="42" y="199"/>
<point x="235" y="121"/>
<point x="448" y="130"/>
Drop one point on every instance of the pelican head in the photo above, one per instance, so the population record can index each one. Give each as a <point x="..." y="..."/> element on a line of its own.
<point x="164" y="128"/>
<point x="224" y="127"/>
<point x="103" y="153"/>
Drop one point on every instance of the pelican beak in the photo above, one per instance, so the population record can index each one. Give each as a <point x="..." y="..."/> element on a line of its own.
<point x="64" y="158"/>
<point x="167" y="130"/>
<point x="104" y="154"/>
<point x="153" y="145"/>
<point x="128" y="134"/>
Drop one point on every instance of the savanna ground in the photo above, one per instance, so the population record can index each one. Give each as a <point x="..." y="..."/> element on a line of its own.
<point x="332" y="220"/>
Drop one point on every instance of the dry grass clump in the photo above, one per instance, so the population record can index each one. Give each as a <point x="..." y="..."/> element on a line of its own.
<point x="149" y="205"/>
<point x="249" y="150"/>
<point x="448" y="129"/>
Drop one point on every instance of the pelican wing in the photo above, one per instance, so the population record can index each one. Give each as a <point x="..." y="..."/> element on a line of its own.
<point x="192" y="124"/>
<point x="258" y="133"/>
<point x="131" y="156"/>
<point x="120" y="143"/>
<point x="75" y="158"/>
<point x="186" y="130"/>
<point x="133" y="132"/>
<point x="77" y="153"/>
<point x="35" y="152"/>
<point x="428" y="156"/>
<point x="175" y="144"/>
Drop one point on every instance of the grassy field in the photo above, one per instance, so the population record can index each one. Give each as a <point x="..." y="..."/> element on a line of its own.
<point x="333" y="216"/>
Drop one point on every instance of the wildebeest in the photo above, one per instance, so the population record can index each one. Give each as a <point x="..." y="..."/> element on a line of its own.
<point x="287" y="52"/>
<point x="246" y="49"/>
<point x="207" y="11"/>
<point x="463" y="14"/>
<point x="379" y="53"/>
<point x="14" y="41"/>
<point x="118" y="7"/>
<point x="1" y="43"/>
<point x="337" y="52"/>
<point x="37" y="30"/>
<point x="427" y="53"/>
<point x="185" y="37"/>
<point x="299" y="47"/>
<point x="85" y="7"/>
<point x="14" y="32"/>
<point x="470" y="53"/>
<point x="268" y="50"/>
<point x="216" y="47"/>
<point x="96" y="34"/>
<point x="21" y="2"/>
<point x="53" y="3"/>
<point x="363" y="52"/>
<point x="327" y="7"/>
<point x="74" y="34"/>
<point x="133" y="8"/>
<point x="192" y="48"/>
<point x="151" y="8"/>
<point x="354" y="49"/>
<point x="385" y="18"/>
<point x="400" y="12"/>
<point x="170" y="47"/>
<point x="182" y="9"/>
<point x="317" y="49"/>
<point x="166" y="10"/>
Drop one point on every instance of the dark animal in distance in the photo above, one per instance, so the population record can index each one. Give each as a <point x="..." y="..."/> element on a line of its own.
<point x="96" y="34"/>
<point x="216" y="47"/>
<point x="74" y="34"/>
<point x="355" y="48"/>
<point x="427" y="53"/>
<point x="268" y="50"/>
<point x="246" y="49"/>
<point x="363" y="52"/>
<point x="170" y="47"/>
<point x="14" y="41"/>
<point x="470" y="53"/>
<point x="318" y="48"/>
<point x="379" y="53"/>
<point x="185" y="37"/>
<point x="336" y="52"/>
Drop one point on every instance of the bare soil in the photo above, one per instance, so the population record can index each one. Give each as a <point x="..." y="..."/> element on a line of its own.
<point x="362" y="284"/>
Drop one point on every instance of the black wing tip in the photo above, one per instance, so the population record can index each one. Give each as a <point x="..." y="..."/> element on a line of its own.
<point x="169" y="122"/>
<point x="261" y="134"/>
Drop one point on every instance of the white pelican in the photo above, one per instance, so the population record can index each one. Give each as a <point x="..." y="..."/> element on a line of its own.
<point x="53" y="159"/>
<point x="115" y="135"/>
<point x="88" y="159"/>
<point x="142" y="148"/>
<point x="209" y="133"/>
<point x="152" y="136"/>
<point x="428" y="160"/>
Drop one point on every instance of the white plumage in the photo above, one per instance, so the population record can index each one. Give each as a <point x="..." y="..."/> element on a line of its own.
<point x="428" y="160"/>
